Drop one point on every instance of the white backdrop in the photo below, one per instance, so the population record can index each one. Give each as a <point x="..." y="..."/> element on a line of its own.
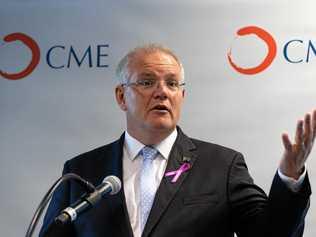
<point x="54" y="114"/>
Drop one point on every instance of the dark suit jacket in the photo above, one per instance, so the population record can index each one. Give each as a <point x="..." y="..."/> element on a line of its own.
<point x="216" y="197"/>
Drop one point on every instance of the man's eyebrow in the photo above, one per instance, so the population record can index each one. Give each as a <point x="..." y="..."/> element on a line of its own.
<point x="152" y="74"/>
<point x="172" y="76"/>
<point x="147" y="74"/>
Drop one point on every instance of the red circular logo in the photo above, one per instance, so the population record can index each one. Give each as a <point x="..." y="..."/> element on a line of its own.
<point x="32" y="45"/>
<point x="270" y="42"/>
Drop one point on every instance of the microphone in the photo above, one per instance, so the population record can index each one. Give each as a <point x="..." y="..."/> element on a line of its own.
<point x="110" y="185"/>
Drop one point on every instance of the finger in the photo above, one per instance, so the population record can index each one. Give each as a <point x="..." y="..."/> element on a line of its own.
<point x="286" y="142"/>
<point x="307" y="130"/>
<point x="299" y="133"/>
<point x="314" y="124"/>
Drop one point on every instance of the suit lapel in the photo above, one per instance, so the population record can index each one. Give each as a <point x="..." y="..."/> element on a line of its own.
<point x="182" y="149"/>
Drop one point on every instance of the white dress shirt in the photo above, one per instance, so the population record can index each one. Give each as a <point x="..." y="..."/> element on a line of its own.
<point x="132" y="162"/>
<point x="291" y="183"/>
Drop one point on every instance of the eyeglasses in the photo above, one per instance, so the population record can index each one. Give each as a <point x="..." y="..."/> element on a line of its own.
<point x="149" y="84"/>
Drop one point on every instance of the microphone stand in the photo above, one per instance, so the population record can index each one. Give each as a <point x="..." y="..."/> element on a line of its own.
<point x="41" y="207"/>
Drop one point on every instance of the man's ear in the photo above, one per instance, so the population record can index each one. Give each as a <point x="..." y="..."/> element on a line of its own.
<point x="120" y="99"/>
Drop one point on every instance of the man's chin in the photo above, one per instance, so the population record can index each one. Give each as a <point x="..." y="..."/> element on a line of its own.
<point x="162" y="126"/>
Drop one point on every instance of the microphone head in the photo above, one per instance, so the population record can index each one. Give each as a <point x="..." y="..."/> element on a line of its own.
<point x="115" y="183"/>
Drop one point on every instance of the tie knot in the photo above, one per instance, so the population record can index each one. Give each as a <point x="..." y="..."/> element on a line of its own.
<point x="149" y="153"/>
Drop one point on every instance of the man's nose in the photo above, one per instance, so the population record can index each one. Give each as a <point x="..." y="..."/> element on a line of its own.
<point x="161" y="88"/>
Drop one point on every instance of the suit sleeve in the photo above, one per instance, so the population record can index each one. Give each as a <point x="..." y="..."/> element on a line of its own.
<point x="60" y="200"/>
<point x="254" y="214"/>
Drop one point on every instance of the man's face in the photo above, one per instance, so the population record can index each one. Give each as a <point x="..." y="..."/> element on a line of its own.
<point x="155" y="109"/>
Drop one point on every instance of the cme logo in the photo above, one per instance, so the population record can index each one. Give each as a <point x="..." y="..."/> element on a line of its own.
<point x="289" y="49"/>
<point x="70" y="56"/>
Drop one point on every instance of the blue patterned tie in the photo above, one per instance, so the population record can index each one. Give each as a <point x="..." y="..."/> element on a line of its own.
<point x="147" y="181"/>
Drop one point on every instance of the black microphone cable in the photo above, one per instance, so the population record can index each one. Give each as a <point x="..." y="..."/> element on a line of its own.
<point x="41" y="207"/>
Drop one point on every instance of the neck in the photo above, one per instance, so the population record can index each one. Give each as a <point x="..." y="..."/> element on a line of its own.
<point x="152" y="137"/>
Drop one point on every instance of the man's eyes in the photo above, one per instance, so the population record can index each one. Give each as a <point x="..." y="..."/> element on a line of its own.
<point x="172" y="83"/>
<point x="146" y="82"/>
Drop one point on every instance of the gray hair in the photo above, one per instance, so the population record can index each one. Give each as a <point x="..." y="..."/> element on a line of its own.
<point x="122" y="70"/>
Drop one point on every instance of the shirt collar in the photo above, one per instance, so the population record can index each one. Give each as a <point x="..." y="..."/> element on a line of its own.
<point x="133" y="146"/>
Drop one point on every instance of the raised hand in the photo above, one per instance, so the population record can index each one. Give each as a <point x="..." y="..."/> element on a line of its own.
<point x="296" y="154"/>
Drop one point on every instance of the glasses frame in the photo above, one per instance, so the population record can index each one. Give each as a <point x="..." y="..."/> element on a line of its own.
<point x="141" y="84"/>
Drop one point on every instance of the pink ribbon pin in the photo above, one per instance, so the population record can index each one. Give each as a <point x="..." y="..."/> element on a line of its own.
<point x="184" y="167"/>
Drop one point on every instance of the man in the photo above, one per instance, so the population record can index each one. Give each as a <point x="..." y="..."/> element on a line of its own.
<point x="176" y="185"/>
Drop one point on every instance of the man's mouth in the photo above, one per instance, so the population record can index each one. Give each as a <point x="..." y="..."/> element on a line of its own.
<point x="161" y="108"/>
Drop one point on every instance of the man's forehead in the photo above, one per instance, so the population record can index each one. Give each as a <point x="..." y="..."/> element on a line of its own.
<point x="152" y="59"/>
